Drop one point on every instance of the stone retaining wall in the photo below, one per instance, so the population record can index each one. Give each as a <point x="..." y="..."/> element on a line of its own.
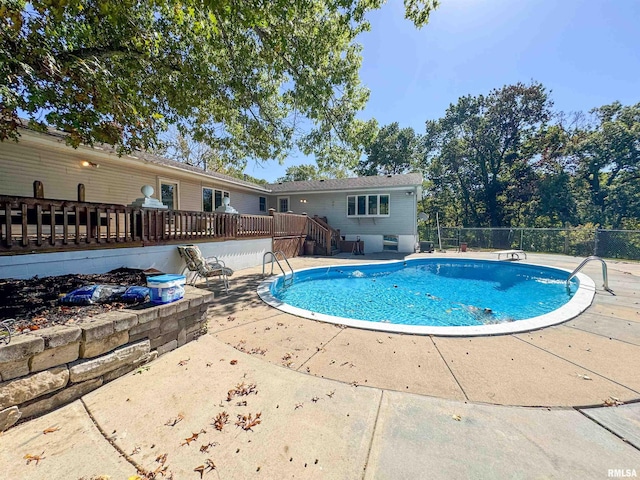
<point x="44" y="369"/>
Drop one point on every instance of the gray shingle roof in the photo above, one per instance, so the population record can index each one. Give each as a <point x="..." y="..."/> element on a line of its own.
<point x="184" y="166"/>
<point x="404" y="180"/>
<point x="358" y="183"/>
<point x="156" y="159"/>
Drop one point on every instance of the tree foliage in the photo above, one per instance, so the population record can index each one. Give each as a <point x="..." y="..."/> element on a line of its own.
<point x="238" y="75"/>
<point x="298" y="173"/>
<point x="607" y="154"/>
<point x="394" y="150"/>
<point x="479" y="148"/>
<point x="506" y="159"/>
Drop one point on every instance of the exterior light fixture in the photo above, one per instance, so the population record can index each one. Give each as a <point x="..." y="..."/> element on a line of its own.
<point x="87" y="163"/>
<point x="303" y="200"/>
<point x="409" y="193"/>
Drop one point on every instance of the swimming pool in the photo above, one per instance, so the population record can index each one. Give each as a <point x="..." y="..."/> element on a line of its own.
<point x="434" y="296"/>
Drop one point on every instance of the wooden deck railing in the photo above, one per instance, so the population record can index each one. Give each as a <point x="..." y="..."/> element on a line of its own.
<point x="319" y="234"/>
<point x="34" y="225"/>
<point x="289" y="224"/>
<point x="328" y="236"/>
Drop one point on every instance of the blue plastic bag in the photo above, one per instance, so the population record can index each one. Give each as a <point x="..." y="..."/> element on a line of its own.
<point x="90" y="294"/>
<point x="135" y="295"/>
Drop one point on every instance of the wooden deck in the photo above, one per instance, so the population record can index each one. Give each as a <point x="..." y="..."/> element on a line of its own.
<point x="35" y="225"/>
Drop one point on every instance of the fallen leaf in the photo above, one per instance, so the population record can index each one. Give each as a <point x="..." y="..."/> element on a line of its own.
<point x="34" y="458"/>
<point x="205" y="448"/>
<point x="192" y="438"/>
<point x="200" y="470"/>
<point x="233" y="362"/>
<point x="182" y="363"/>
<point x="246" y="422"/>
<point x="457" y="418"/>
<point x="50" y="430"/>
<point x="173" y="421"/>
<point x="221" y="420"/>
<point x="241" y="390"/>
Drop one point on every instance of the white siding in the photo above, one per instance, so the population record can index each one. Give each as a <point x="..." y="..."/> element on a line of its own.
<point x="401" y="220"/>
<point x="115" y="180"/>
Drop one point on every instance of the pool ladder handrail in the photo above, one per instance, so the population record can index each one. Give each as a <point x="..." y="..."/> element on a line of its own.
<point x="274" y="257"/>
<point x="605" y="276"/>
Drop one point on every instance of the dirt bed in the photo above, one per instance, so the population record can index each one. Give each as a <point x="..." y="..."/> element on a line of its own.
<point x="34" y="303"/>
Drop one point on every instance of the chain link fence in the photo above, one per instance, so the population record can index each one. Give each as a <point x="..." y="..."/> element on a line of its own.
<point x="580" y="242"/>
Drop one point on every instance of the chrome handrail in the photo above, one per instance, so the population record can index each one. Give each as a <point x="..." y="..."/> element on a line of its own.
<point x="274" y="257"/>
<point x="605" y="276"/>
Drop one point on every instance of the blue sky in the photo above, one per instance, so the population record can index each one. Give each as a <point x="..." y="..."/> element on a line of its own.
<point x="585" y="51"/>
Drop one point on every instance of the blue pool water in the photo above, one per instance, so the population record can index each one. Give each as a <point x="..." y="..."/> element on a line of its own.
<point x="433" y="292"/>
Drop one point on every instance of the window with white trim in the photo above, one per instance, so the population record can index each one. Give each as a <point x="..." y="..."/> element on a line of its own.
<point x="169" y="194"/>
<point x="212" y="198"/>
<point x="370" y="205"/>
<point x="283" y="204"/>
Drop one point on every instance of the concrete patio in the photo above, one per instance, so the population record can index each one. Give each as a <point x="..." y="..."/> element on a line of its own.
<point x="541" y="368"/>
<point x="342" y="403"/>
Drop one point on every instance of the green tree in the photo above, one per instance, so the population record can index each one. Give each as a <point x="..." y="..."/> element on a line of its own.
<point x="553" y="203"/>
<point x="479" y="148"/>
<point x="298" y="173"/>
<point x="236" y="75"/>
<point x="198" y="154"/>
<point x="607" y="153"/>
<point x="394" y="150"/>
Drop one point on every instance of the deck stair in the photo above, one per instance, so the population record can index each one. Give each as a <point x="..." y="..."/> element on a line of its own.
<point x="326" y="238"/>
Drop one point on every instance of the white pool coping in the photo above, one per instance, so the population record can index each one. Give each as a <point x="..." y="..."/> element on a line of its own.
<point x="578" y="303"/>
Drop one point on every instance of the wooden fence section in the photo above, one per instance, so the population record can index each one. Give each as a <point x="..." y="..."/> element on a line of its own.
<point x="38" y="225"/>
<point x="289" y="232"/>
<point x="289" y="224"/>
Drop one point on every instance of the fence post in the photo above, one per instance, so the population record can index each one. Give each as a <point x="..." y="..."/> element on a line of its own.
<point x="595" y="242"/>
<point x="521" y="237"/>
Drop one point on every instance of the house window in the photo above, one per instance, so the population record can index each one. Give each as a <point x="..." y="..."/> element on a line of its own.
<point x="372" y="205"/>
<point x="207" y="200"/>
<point x="263" y="204"/>
<point x="351" y="206"/>
<point x="212" y="199"/>
<point x="384" y="205"/>
<point x="283" y="204"/>
<point x="368" y="205"/>
<point x="362" y="205"/>
<point x="169" y="194"/>
<point x="390" y="243"/>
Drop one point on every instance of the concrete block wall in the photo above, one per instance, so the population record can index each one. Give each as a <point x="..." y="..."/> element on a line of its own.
<point x="45" y="369"/>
